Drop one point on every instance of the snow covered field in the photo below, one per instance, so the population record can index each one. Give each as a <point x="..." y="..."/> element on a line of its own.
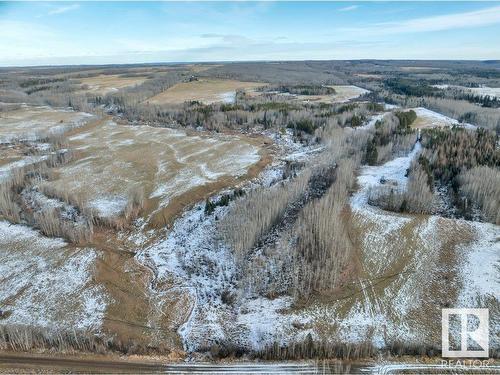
<point x="107" y="83"/>
<point x="45" y="283"/>
<point x="430" y="119"/>
<point x="407" y="260"/>
<point x="204" y="90"/>
<point x="493" y="92"/>
<point x="29" y="122"/>
<point x="343" y="93"/>
<point x="163" y="163"/>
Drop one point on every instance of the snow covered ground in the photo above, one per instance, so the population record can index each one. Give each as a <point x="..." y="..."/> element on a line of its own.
<point x="6" y="170"/>
<point x="228" y="97"/>
<point x="31" y="122"/>
<point x="397" y="296"/>
<point x="431" y="119"/>
<point x="493" y="92"/>
<point x="193" y="256"/>
<point x="419" y="242"/>
<point x="164" y="163"/>
<point x="45" y="283"/>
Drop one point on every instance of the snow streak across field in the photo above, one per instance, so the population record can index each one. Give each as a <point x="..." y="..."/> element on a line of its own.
<point x="430" y="119"/>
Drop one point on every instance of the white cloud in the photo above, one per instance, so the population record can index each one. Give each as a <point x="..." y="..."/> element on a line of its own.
<point x="64" y="9"/>
<point x="349" y="8"/>
<point x="477" y="18"/>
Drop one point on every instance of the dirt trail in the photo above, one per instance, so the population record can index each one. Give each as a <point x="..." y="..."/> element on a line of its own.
<point x="10" y="362"/>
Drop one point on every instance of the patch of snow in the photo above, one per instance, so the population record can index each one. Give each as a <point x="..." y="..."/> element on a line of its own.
<point x="6" y="170"/>
<point x="390" y="107"/>
<point x="437" y="119"/>
<point x="109" y="206"/>
<point x="372" y="121"/>
<point x="481" y="265"/>
<point x="228" y="97"/>
<point x="393" y="171"/>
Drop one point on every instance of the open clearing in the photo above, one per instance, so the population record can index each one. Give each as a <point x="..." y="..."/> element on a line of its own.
<point x="46" y="283"/>
<point x="492" y="92"/>
<point x="29" y="122"/>
<point x="430" y="119"/>
<point x="163" y="163"/>
<point x="104" y="84"/>
<point x="204" y="90"/>
<point x="343" y="93"/>
<point x="346" y="93"/>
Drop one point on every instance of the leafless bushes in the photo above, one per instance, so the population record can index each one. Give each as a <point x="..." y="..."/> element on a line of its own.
<point x="25" y="338"/>
<point x="402" y="144"/>
<point x="419" y="197"/>
<point x="60" y="220"/>
<point x="8" y="207"/>
<point x="482" y="186"/>
<point x="307" y="349"/>
<point x="52" y="223"/>
<point x="12" y="185"/>
<point x="135" y="203"/>
<point x="309" y="251"/>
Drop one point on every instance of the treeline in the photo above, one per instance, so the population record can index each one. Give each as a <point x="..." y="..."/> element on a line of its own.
<point x="324" y="247"/>
<point x="483" y="100"/>
<point x="248" y="113"/>
<point x="294" y="238"/>
<point x="302" y="89"/>
<point x="407" y="87"/>
<point x="253" y="216"/>
<point x="393" y="136"/>
<point x="481" y="185"/>
<point x="448" y="152"/>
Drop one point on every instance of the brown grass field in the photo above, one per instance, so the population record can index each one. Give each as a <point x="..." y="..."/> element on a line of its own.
<point x="104" y="84"/>
<point x="165" y="164"/>
<point x="31" y="121"/>
<point x="204" y="90"/>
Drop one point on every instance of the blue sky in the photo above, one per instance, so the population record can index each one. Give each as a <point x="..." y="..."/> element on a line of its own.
<point x="44" y="33"/>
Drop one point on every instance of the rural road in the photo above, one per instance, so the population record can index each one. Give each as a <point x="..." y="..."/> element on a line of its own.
<point x="29" y="362"/>
<point x="11" y="361"/>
